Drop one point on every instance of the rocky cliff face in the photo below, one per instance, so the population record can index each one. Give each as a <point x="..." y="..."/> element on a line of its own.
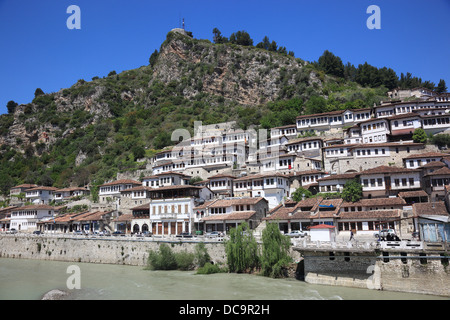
<point x="185" y="67"/>
<point x="247" y="75"/>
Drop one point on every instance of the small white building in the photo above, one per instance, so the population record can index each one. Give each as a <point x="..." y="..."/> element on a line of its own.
<point x="26" y="218"/>
<point x="323" y="232"/>
<point x="40" y="195"/>
<point x="111" y="191"/>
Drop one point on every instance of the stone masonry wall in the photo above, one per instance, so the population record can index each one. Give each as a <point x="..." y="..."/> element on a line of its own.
<point x="100" y="250"/>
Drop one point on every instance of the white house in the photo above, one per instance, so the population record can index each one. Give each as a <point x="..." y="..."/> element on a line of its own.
<point x="40" y="195"/>
<point x="334" y="182"/>
<point x="171" y="208"/>
<point x="388" y="180"/>
<point x="374" y="131"/>
<point x="109" y="192"/>
<point x="404" y="124"/>
<point x="273" y="186"/>
<point x="418" y="160"/>
<point x="166" y="179"/>
<point x="224" y="214"/>
<point x="68" y="193"/>
<point x="26" y="218"/>
<point x="221" y="184"/>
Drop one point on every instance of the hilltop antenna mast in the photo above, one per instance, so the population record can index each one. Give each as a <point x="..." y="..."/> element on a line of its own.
<point x="183" y="24"/>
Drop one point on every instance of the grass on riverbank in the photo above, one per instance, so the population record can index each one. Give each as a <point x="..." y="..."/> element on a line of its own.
<point x="166" y="259"/>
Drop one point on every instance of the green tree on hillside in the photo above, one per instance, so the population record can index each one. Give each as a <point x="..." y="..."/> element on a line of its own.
<point x="218" y="38"/>
<point x="441" y="87"/>
<point x="38" y="92"/>
<point x="419" y="136"/>
<point x="241" y="38"/>
<point x="299" y="193"/>
<point x="11" y="106"/>
<point x="352" y="191"/>
<point x="331" y="64"/>
<point x="153" y="58"/>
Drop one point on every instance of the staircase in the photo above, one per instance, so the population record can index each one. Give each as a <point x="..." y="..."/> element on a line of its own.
<point x="259" y="229"/>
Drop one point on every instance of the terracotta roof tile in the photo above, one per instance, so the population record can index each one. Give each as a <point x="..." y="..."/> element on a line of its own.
<point x="426" y="155"/>
<point x="375" y="202"/>
<point x="122" y="181"/>
<point x="444" y="171"/>
<point x="430" y="208"/>
<point x="237" y="215"/>
<point x="370" y="214"/>
<point x="388" y="170"/>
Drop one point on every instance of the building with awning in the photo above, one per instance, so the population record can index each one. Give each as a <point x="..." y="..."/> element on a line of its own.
<point x="171" y="208"/>
<point x="224" y="214"/>
<point x="122" y="223"/>
<point x="88" y="222"/>
<point x="27" y="218"/>
<point x="140" y="221"/>
<point x="433" y="221"/>
<point x="5" y="217"/>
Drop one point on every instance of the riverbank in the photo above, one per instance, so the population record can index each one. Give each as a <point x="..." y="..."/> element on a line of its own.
<point x="105" y="250"/>
<point x="28" y="279"/>
<point x="357" y="270"/>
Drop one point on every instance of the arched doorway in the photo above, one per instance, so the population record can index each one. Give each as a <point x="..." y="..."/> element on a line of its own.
<point x="144" y="227"/>
<point x="136" y="228"/>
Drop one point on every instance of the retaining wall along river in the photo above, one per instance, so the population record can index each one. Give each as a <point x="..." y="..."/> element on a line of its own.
<point x="369" y="269"/>
<point x="110" y="250"/>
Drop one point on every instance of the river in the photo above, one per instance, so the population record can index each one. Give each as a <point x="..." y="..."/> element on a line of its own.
<point x="23" y="279"/>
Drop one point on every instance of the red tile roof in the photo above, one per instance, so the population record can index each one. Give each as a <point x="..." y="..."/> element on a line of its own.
<point x="322" y="226"/>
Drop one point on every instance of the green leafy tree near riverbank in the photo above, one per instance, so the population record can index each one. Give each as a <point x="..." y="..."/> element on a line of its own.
<point x="275" y="252"/>
<point x="242" y="250"/>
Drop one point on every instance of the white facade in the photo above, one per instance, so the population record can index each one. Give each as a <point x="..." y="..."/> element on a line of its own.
<point x="374" y="131"/>
<point x="323" y="233"/>
<point x="40" y="195"/>
<point x="26" y="218"/>
<point x="272" y="187"/>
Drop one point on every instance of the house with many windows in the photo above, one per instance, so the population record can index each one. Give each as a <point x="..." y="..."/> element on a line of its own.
<point x="223" y="214"/>
<point x="26" y="218"/>
<point x="111" y="192"/>
<point x="272" y="186"/>
<point x="171" y="208"/>
<point x="384" y="181"/>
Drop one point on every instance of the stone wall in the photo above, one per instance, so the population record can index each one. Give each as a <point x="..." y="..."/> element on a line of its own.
<point x="109" y="250"/>
<point x="367" y="270"/>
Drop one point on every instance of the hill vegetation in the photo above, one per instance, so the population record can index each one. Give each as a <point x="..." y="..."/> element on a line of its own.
<point x="91" y="131"/>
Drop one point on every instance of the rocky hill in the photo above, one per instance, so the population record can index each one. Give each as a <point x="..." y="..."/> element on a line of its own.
<point x="94" y="129"/>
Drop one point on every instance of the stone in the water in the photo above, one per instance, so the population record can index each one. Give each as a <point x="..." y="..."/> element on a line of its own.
<point x="54" y="295"/>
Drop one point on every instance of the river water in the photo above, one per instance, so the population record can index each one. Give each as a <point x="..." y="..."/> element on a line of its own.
<point x="23" y="279"/>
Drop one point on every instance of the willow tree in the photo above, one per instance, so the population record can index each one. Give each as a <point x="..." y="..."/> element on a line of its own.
<point x="241" y="250"/>
<point x="275" y="252"/>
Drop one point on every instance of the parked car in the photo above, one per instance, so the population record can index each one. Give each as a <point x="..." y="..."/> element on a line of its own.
<point x="12" y="231"/>
<point x="147" y="234"/>
<point x="184" y="235"/>
<point x="38" y="232"/>
<point x="78" y="232"/>
<point x="296" y="234"/>
<point x="214" y="234"/>
<point x="118" y="233"/>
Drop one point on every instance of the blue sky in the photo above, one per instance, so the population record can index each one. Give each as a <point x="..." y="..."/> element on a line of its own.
<point x="39" y="51"/>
